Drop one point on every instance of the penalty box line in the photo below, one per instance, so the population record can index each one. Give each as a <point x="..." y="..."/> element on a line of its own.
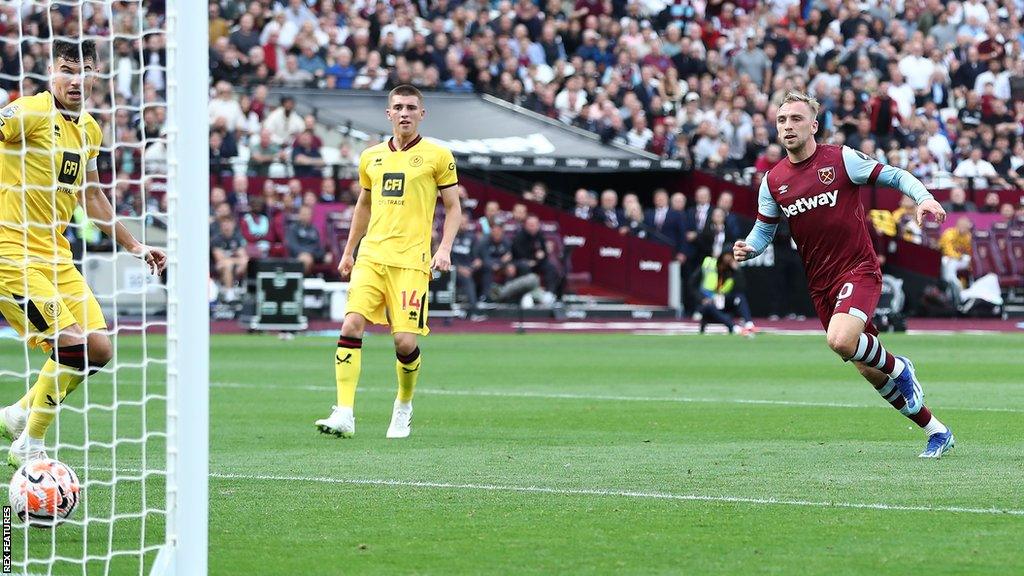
<point x="619" y="493"/>
<point x="597" y="397"/>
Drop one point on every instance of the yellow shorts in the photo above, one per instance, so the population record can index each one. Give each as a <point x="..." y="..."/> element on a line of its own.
<point x="381" y="293"/>
<point x="40" y="300"/>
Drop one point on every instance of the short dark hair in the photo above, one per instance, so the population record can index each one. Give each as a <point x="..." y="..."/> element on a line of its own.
<point x="405" y="90"/>
<point x="74" y="51"/>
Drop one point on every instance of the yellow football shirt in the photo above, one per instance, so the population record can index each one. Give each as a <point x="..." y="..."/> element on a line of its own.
<point x="403" y="187"/>
<point x="43" y="160"/>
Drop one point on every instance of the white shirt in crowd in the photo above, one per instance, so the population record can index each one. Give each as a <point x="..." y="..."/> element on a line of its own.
<point x="230" y="111"/>
<point x="979" y="170"/>
<point x="917" y="70"/>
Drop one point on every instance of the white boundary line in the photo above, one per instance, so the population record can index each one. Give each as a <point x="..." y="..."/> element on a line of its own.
<point x="620" y="493"/>
<point x="598" y="397"/>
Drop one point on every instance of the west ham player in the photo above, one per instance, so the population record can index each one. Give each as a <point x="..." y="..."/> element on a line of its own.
<point x="816" y="187"/>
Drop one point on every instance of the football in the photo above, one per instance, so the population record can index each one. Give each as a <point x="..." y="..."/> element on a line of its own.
<point x="44" y="493"/>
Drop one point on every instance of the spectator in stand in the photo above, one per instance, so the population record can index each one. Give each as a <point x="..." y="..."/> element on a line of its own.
<point x="633" y="216"/>
<point x="677" y="203"/>
<point x="459" y="82"/>
<point x="537" y="193"/>
<point x="328" y="190"/>
<point x="225" y="107"/>
<point x="584" y="207"/>
<point x="905" y="218"/>
<point x="732" y="224"/>
<point x="991" y="203"/>
<point x="306" y="160"/>
<point x="263" y="152"/>
<point x="229" y="257"/>
<point x="722" y="288"/>
<point x="239" y="196"/>
<point x="976" y="172"/>
<point x="341" y="73"/>
<point x="715" y="237"/>
<point x="222" y="150"/>
<point x="245" y="37"/>
<point x="493" y="218"/>
<point x="284" y="123"/>
<point x="697" y="215"/>
<point x="303" y="241"/>
<point x="958" y="201"/>
<point x="530" y="252"/>
<point x="501" y="265"/>
<point x="469" y="260"/>
<point x="519" y="215"/>
<point x="291" y="76"/>
<point x="667" y="224"/>
<point x="608" y="212"/>
<point x="955" y="245"/>
<point x="1006" y="212"/>
<point x="255" y="228"/>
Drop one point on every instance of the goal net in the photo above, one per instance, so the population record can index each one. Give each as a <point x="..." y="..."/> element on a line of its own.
<point x="135" y="432"/>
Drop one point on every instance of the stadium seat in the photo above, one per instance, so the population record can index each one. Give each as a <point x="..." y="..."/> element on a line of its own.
<point x="988" y="258"/>
<point x="983" y="261"/>
<point x="1015" y="251"/>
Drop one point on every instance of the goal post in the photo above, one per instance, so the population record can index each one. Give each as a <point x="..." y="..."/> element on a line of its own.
<point x="188" y="327"/>
<point x="135" y="431"/>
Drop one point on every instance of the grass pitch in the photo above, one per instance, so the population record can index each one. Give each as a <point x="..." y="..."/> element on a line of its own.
<point x="580" y="454"/>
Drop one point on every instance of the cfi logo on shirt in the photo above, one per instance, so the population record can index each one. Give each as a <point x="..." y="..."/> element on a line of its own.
<point x="416" y="161"/>
<point x="826" y="175"/>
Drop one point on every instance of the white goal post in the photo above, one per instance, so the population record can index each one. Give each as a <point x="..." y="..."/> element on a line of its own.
<point x="185" y="552"/>
<point x="136" y="431"/>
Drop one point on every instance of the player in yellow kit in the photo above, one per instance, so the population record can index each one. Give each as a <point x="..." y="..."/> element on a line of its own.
<point x="401" y="179"/>
<point x="48" y="146"/>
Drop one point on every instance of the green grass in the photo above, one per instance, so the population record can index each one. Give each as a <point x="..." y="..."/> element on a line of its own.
<point x="587" y="454"/>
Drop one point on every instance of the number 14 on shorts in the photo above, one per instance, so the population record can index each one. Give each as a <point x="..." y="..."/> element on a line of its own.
<point x="410" y="300"/>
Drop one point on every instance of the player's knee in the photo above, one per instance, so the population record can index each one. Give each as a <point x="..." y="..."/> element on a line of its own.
<point x="405" y="343"/>
<point x="841" y="345"/>
<point x="101" y="351"/>
<point x="353" y="326"/>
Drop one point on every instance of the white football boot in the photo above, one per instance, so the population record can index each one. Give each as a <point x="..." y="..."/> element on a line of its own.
<point x="26" y="449"/>
<point x="12" y="421"/>
<point x="401" y="420"/>
<point x="341" y="423"/>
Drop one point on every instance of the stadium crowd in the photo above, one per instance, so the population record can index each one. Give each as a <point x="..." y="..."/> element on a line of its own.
<point x="933" y="87"/>
<point x="936" y="88"/>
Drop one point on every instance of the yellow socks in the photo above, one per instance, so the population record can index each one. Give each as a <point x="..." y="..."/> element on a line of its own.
<point x="347" y="364"/>
<point x="408" y="370"/>
<point x="55" y="382"/>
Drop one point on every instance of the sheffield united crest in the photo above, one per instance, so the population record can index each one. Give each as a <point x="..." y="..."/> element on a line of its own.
<point x="826" y="175"/>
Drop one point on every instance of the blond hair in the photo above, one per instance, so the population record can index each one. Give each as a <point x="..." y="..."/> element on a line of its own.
<point x="812" y="102"/>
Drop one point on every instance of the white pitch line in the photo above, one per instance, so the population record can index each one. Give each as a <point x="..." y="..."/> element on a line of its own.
<point x="597" y="397"/>
<point x="621" y="493"/>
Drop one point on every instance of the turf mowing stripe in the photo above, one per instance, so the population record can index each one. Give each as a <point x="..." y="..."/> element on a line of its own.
<point x="570" y="396"/>
<point x="620" y="493"/>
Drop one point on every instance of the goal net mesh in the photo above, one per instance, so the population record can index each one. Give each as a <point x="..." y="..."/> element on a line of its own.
<point x="113" y="429"/>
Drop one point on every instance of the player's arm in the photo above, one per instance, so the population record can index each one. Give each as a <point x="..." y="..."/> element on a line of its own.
<point x="452" y="220"/>
<point x="761" y="235"/>
<point x="16" y="122"/>
<point x="360" y="221"/>
<point x="447" y="179"/>
<point x="98" y="208"/>
<point x="863" y="169"/>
